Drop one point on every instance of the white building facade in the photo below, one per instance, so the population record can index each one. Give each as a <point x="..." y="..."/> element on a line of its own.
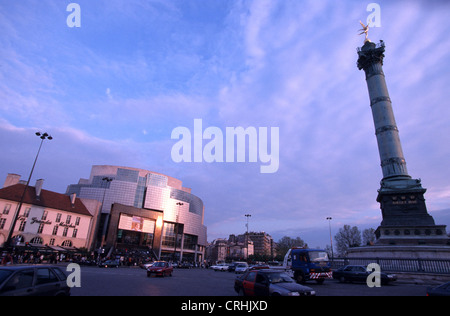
<point x="45" y="218"/>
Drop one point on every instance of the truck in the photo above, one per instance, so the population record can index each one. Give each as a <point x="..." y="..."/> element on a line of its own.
<point x="308" y="264"/>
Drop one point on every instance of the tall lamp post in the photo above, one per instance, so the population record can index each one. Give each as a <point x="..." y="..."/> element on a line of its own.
<point x="105" y="181"/>
<point x="16" y="214"/>
<point x="331" y="239"/>
<point x="179" y="204"/>
<point x="247" y="215"/>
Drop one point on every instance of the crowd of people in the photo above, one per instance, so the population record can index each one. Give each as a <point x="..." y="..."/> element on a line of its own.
<point x="125" y="259"/>
<point x="28" y="257"/>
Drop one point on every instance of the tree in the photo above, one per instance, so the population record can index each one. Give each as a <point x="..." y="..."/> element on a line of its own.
<point x="286" y="243"/>
<point x="368" y="236"/>
<point x="347" y="237"/>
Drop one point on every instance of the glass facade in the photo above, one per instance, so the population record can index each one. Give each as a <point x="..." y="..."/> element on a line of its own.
<point x="148" y="190"/>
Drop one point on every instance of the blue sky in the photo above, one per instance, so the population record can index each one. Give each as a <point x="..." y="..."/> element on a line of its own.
<point x="112" y="91"/>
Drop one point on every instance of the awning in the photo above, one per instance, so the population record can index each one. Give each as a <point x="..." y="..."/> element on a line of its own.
<point x="57" y="248"/>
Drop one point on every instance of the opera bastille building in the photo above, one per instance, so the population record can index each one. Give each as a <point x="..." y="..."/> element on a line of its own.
<point x="147" y="211"/>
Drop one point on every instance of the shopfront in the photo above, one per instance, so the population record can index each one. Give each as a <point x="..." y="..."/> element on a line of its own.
<point x="132" y="229"/>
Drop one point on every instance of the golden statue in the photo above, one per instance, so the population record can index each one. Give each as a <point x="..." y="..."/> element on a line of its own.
<point x="365" y="30"/>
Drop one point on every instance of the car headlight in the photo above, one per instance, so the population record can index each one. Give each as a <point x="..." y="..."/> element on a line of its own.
<point x="293" y="294"/>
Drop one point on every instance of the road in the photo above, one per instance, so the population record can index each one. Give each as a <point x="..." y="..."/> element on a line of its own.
<point x="202" y="282"/>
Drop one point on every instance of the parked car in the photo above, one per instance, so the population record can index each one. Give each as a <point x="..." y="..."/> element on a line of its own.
<point x="220" y="267"/>
<point x="441" y="290"/>
<point x="109" y="264"/>
<point x="185" y="265"/>
<point x="33" y="281"/>
<point x="160" y="268"/>
<point x="259" y="266"/>
<point x="241" y="268"/>
<point x="357" y="273"/>
<point x="232" y="266"/>
<point x="269" y="282"/>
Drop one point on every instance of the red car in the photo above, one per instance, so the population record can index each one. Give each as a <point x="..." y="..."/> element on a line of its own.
<point x="160" y="268"/>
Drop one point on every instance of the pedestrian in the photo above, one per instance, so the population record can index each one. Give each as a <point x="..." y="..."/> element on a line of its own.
<point x="7" y="260"/>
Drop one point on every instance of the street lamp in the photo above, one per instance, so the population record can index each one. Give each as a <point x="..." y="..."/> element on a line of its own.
<point x="179" y="204"/>
<point x="106" y="181"/>
<point x="331" y="239"/>
<point x="247" y="215"/>
<point x="16" y="214"/>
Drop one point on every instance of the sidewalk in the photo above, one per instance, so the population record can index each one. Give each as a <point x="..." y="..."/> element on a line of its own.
<point x="422" y="278"/>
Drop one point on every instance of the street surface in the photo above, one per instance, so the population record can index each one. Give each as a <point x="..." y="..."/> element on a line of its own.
<point x="204" y="282"/>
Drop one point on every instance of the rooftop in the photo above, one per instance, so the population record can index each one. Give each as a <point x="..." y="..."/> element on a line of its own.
<point x="47" y="198"/>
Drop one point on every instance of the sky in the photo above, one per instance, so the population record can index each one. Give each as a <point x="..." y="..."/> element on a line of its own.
<point x="113" y="90"/>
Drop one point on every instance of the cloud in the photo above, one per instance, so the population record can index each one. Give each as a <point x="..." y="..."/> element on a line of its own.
<point x="108" y="93"/>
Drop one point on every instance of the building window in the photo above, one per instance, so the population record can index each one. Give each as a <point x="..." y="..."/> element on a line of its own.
<point x="169" y="233"/>
<point x="52" y="242"/>
<point x="36" y="240"/>
<point x="26" y="213"/>
<point x="22" y="226"/>
<point x="190" y="242"/>
<point x="44" y="215"/>
<point x="41" y="228"/>
<point x="68" y="219"/>
<point x="67" y="243"/>
<point x="58" y="217"/>
<point x="74" y="234"/>
<point x="55" y="230"/>
<point x="6" y="209"/>
<point x="77" y="220"/>
<point x="65" y="231"/>
<point x="2" y="223"/>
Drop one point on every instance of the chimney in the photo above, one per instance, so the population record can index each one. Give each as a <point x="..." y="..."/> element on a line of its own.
<point x="38" y="187"/>
<point x="73" y="196"/>
<point x="11" y="179"/>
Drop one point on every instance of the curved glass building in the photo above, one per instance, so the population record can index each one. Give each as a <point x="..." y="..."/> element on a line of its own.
<point x="145" y="210"/>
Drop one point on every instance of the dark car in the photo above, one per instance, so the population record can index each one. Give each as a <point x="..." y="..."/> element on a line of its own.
<point x="33" y="280"/>
<point x="185" y="265"/>
<point x="355" y="273"/>
<point x="109" y="264"/>
<point x="160" y="268"/>
<point x="269" y="282"/>
<point x="441" y="290"/>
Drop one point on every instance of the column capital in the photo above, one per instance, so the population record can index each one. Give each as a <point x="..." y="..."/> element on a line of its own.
<point x="369" y="54"/>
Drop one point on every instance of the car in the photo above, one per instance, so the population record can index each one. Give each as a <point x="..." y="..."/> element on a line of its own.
<point x="220" y="267"/>
<point x="35" y="280"/>
<point x="145" y="265"/>
<point x="185" y="265"/>
<point x="259" y="266"/>
<point x="109" y="264"/>
<point x="160" y="268"/>
<point x="269" y="282"/>
<point x="232" y="266"/>
<point x="356" y="273"/>
<point x="241" y="268"/>
<point x="440" y="290"/>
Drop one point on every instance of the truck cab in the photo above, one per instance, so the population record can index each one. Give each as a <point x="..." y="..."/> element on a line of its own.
<point x="308" y="264"/>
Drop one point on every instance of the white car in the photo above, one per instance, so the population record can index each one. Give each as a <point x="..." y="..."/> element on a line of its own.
<point x="220" y="267"/>
<point x="241" y="268"/>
